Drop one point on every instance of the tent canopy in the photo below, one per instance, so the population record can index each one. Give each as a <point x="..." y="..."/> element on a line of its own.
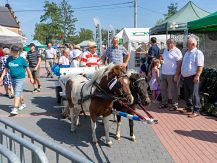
<point x="138" y="35"/>
<point x="206" y="24"/>
<point x="9" y="37"/>
<point x="178" y="22"/>
<point x="134" y="35"/>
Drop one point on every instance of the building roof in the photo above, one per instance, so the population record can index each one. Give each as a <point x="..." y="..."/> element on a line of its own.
<point x="178" y="22"/>
<point x="7" y="19"/>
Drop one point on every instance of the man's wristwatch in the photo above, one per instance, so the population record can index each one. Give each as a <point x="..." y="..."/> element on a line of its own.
<point x="197" y="75"/>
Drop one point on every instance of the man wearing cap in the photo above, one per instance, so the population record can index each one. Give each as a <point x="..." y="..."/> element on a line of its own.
<point x="34" y="59"/>
<point x="17" y="66"/>
<point x="50" y="59"/>
<point x="117" y="54"/>
<point x="90" y="58"/>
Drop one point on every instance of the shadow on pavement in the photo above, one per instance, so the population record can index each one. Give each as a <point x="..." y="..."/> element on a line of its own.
<point x="209" y="136"/>
<point x="6" y="108"/>
<point x="59" y="130"/>
<point x="45" y="103"/>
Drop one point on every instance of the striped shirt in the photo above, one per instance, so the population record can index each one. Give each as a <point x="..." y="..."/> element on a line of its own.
<point x="90" y="60"/>
<point x="32" y="58"/>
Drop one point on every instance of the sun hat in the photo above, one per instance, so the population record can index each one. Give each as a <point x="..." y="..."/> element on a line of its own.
<point x="76" y="53"/>
<point x="91" y="44"/>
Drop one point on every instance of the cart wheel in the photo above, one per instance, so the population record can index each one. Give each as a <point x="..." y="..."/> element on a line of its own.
<point x="58" y="97"/>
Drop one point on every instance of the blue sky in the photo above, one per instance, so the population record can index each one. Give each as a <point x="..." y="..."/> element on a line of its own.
<point x="119" y="16"/>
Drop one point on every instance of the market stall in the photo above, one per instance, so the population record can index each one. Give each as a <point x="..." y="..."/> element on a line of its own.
<point x="136" y="40"/>
<point x="9" y="37"/>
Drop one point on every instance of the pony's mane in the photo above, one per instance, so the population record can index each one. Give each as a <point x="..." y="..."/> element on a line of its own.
<point x="100" y="73"/>
<point x="130" y="72"/>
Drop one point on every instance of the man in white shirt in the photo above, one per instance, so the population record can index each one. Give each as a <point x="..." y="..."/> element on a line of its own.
<point x="192" y="67"/>
<point x="171" y="67"/>
<point x="50" y="59"/>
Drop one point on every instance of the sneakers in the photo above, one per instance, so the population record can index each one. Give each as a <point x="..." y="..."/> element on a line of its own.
<point x="163" y="106"/>
<point x="22" y="107"/>
<point x="173" y="108"/>
<point x="14" y="111"/>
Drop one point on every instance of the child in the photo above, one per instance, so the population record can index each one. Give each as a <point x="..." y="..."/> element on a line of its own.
<point x="76" y="58"/>
<point x="6" y="79"/>
<point x="64" y="59"/>
<point x="154" y="76"/>
<point x="16" y="66"/>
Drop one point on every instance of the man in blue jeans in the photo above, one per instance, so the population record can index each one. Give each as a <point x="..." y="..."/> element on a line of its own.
<point x="17" y="66"/>
<point x="192" y="67"/>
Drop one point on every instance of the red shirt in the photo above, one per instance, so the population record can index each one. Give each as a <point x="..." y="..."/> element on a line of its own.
<point x="89" y="59"/>
<point x="1" y="53"/>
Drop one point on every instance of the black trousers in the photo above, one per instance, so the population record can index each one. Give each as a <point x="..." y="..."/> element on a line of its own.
<point x="191" y="91"/>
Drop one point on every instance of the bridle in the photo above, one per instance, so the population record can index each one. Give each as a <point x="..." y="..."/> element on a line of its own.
<point x="140" y="79"/>
<point x="114" y="82"/>
<point x="134" y="84"/>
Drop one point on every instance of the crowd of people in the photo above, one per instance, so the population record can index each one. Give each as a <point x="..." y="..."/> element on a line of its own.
<point x="164" y="71"/>
<point x="15" y="63"/>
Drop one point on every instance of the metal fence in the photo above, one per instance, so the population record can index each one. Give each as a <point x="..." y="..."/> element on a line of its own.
<point x="10" y="156"/>
<point x="38" y="155"/>
<point x="46" y="144"/>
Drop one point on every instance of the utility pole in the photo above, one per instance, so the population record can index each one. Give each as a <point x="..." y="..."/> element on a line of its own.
<point x="135" y="13"/>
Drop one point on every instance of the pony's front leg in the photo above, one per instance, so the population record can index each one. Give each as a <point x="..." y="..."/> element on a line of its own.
<point x="118" y="132"/>
<point x="72" y="115"/>
<point x="133" y="138"/>
<point x="106" y="126"/>
<point x="76" y="118"/>
<point x="93" y="127"/>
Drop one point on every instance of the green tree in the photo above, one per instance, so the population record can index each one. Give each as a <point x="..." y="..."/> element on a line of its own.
<point x="172" y="9"/>
<point x="52" y="17"/>
<point x="57" y="21"/>
<point x="84" y="34"/>
<point x="41" y="32"/>
<point x="67" y="23"/>
<point x="104" y="36"/>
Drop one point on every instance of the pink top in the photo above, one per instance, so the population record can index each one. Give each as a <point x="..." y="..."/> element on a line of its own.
<point x="64" y="60"/>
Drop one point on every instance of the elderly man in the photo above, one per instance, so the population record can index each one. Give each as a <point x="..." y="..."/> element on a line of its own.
<point x="90" y="57"/>
<point x="192" y="67"/>
<point x="117" y="54"/>
<point x="171" y="68"/>
<point x="50" y="59"/>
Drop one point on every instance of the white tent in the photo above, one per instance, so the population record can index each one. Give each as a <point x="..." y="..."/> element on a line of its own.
<point x="134" y="37"/>
<point x="9" y="37"/>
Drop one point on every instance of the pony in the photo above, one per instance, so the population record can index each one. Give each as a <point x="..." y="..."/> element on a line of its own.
<point x="108" y="84"/>
<point x="138" y="87"/>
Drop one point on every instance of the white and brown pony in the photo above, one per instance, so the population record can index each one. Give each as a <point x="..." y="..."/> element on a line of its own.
<point x="97" y="96"/>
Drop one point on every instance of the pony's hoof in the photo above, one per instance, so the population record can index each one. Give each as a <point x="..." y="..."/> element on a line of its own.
<point x="109" y="144"/>
<point x="95" y="142"/>
<point x="133" y="138"/>
<point x="118" y="137"/>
